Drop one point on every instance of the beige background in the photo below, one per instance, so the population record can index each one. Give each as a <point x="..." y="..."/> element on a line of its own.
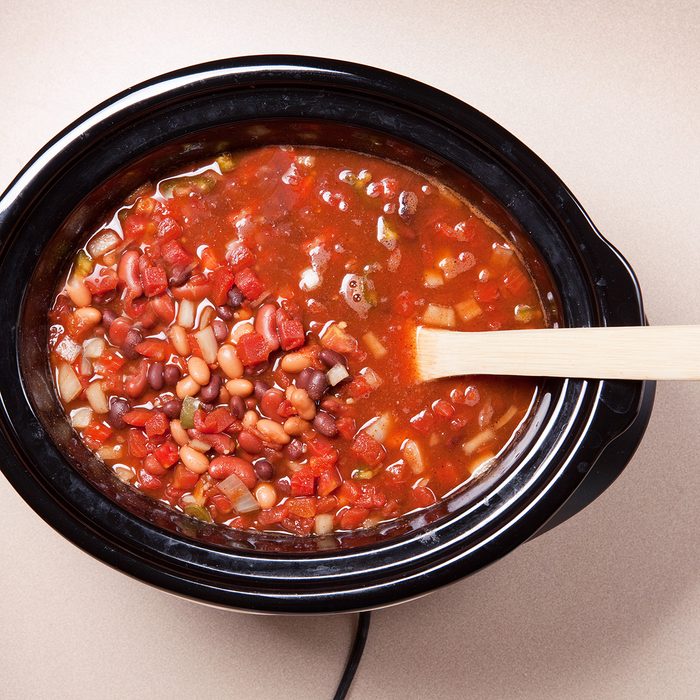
<point x="606" y="606"/>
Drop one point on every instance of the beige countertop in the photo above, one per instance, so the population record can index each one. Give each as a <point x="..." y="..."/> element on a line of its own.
<point x="605" y="606"/>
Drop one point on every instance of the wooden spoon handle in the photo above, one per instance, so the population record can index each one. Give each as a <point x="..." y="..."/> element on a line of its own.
<point x="637" y="352"/>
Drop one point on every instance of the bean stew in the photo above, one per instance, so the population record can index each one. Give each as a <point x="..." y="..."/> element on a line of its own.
<point x="236" y="340"/>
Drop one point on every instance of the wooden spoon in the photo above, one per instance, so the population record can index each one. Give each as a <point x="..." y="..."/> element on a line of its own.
<point x="637" y="352"/>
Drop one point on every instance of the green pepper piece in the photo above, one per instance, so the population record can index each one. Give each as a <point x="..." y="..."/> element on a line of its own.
<point x="199" y="512"/>
<point x="226" y="162"/>
<point x="83" y="264"/>
<point x="189" y="406"/>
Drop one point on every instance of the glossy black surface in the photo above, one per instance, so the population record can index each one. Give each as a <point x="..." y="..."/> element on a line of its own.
<point x="184" y="115"/>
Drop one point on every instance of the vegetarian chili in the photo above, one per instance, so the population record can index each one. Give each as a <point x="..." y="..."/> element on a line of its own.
<point x="235" y="341"/>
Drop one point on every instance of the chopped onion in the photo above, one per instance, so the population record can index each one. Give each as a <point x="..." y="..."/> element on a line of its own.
<point x="471" y="446"/>
<point x="359" y="294"/>
<point x="386" y="234"/>
<point x="323" y="523"/>
<point x="432" y="279"/>
<point x="506" y="417"/>
<point x="69" y="385"/>
<point x="440" y="316"/>
<point x="207" y="344"/>
<point x="336" y="374"/>
<point x="185" y="313"/>
<point x="68" y="349"/>
<point x="378" y="428"/>
<point x="452" y="267"/>
<point x="394" y="260"/>
<point x="467" y="310"/>
<point x="103" y="242"/>
<point x="413" y="457"/>
<point x="374" y="345"/>
<point x="81" y="417"/>
<point x="310" y="280"/>
<point x="237" y="492"/>
<point x="85" y="367"/>
<point x="110" y="452"/>
<point x="124" y="474"/>
<point x="501" y="255"/>
<point x="94" y="347"/>
<point x="96" y="396"/>
<point x="371" y="377"/>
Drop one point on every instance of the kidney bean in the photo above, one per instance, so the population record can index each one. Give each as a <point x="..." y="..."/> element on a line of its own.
<point x="331" y="358"/>
<point x="224" y="311"/>
<point x="135" y="384"/>
<point x="210" y="392"/>
<point x="302" y="380"/>
<point x="235" y="297"/>
<point x="265" y="324"/>
<point x="317" y="384"/>
<point x="118" y="329"/>
<point x="264" y="469"/>
<point x="128" y="272"/>
<point x="237" y="407"/>
<point x="107" y="317"/>
<point x="155" y="376"/>
<point x="171" y="375"/>
<point x="325" y="424"/>
<point x="220" y="330"/>
<point x="223" y="466"/>
<point x="250" y="403"/>
<point x="260" y="387"/>
<point x="115" y="416"/>
<point x="172" y="408"/>
<point x="270" y="402"/>
<point x="179" y="275"/>
<point x="249" y="442"/>
<point x="128" y="348"/>
<point x="295" y="449"/>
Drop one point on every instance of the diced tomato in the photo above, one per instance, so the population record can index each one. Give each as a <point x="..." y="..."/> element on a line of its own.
<point x="153" y="466"/>
<point x="157" y="424"/>
<point x="215" y="421"/>
<point x="107" y="362"/>
<point x="322" y="463"/>
<point x="486" y="292"/>
<point x="302" y="507"/>
<point x="320" y="446"/>
<point x="168" y="229"/>
<point x="77" y="327"/>
<point x="137" y="444"/>
<point x="167" y="453"/>
<point x="424" y="421"/>
<point x="346" y="427"/>
<point x="516" y="282"/>
<point x="335" y="338"/>
<point x="154" y="280"/>
<point x="423" y="497"/>
<point x="290" y="331"/>
<point x="209" y="259"/>
<point x="174" y="254"/>
<point x="252" y="349"/>
<point x="221" y="503"/>
<point x="272" y="516"/>
<point x="297" y="525"/>
<point x="249" y="283"/>
<point x="134" y="226"/>
<point x="359" y="387"/>
<point x="302" y="483"/>
<point x="138" y="416"/>
<point x="103" y="281"/>
<point x="118" y="330"/>
<point x="443" y="409"/>
<point x="328" y="481"/>
<point x="221" y="281"/>
<point x="327" y="504"/>
<point x="352" y="518"/>
<point x="183" y="478"/>
<point x="148" y="481"/>
<point x="133" y="307"/>
<point x="240" y="257"/>
<point x="368" y="449"/>
<point x="196" y="289"/>
<point x="221" y="444"/>
<point x="96" y="434"/>
<point x="154" y="349"/>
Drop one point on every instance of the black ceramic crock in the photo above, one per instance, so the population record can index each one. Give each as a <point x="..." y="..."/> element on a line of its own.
<point x="581" y="436"/>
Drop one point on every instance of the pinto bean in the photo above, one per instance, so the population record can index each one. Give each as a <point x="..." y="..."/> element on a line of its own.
<point x="199" y="370"/>
<point x="195" y="461"/>
<point x="295" y="362"/>
<point x="229" y="361"/>
<point x="294" y="425"/>
<point x="266" y="495"/>
<point x="272" y="432"/>
<point x="265" y="325"/>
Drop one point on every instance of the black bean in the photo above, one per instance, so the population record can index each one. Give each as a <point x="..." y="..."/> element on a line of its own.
<point x="260" y="388"/>
<point x="237" y="407"/>
<point x="295" y="449"/>
<point x="408" y="204"/>
<point x="206" y="407"/>
<point x="257" y="370"/>
<point x="107" y="317"/>
<point x="210" y="392"/>
<point x="264" y="469"/>
<point x="324" y="423"/>
<point x="225" y="312"/>
<point x="171" y="375"/>
<point x="172" y="408"/>
<point x="179" y="275"/>
<point x="117" y="409"/>
<point x="128" y="348"/>
<point x="235" y="297"/>
<point x="155" y="376"/>
<point x="220" y="330"/>
<point x="302" y="380"/>
<point x="317" y="384"/>
<point x="330" y="358"/>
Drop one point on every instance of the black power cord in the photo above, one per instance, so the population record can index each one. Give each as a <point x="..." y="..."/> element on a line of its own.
<point x="358" y="646"/>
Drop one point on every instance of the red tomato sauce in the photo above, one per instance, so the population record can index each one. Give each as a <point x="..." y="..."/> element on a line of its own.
<point x="236" y="341"/>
